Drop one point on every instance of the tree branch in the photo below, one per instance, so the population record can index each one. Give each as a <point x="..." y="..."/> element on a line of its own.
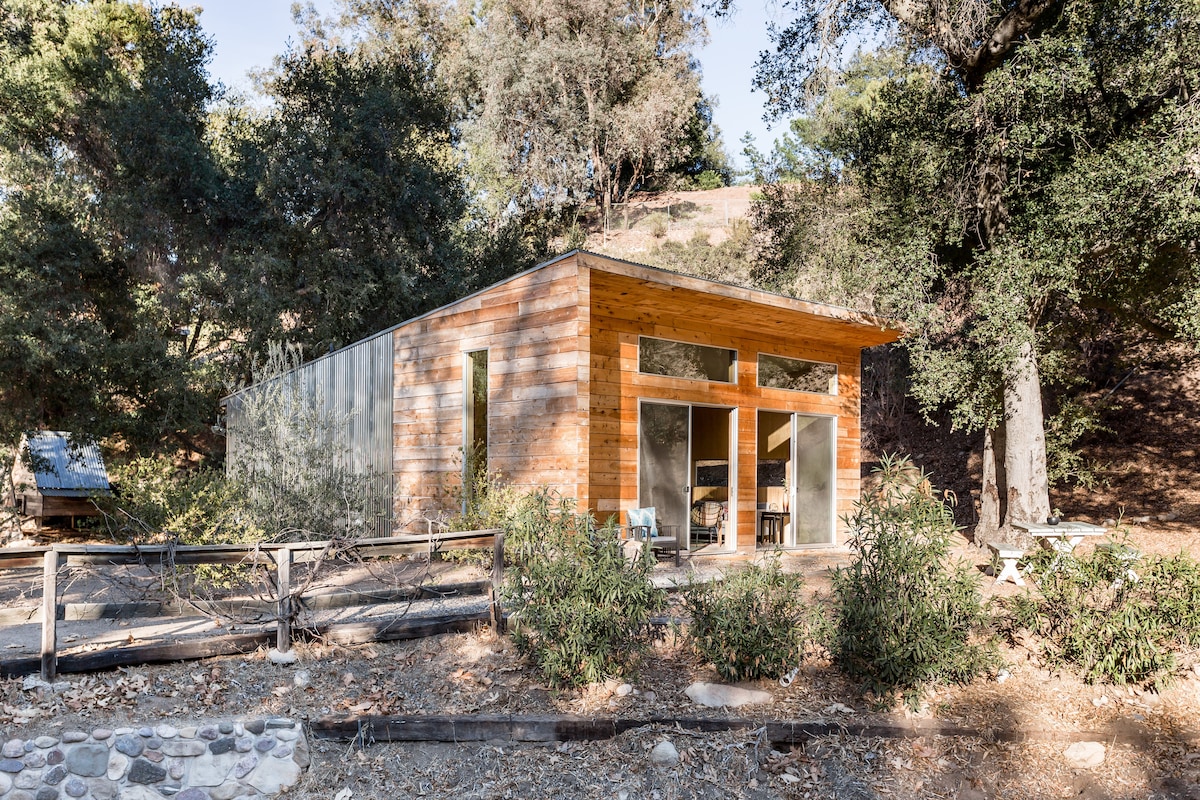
<point x="1009" y="30"/>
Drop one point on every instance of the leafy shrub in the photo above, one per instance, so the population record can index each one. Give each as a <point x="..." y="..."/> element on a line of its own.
<point x="907" y="616"/>
<point x="709" y="179"/>
<point x="293" y="458"/>
<point x="1093" y="616"/>
<point x="657" y="223"/>
<point x="157" y="502"/>
<point x="582" y="610"/>
<point x="754" y="624"/>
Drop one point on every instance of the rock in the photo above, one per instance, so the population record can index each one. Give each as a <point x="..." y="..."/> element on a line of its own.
<point x="33" y="683"/>
<point x="274" y="775"/>
<point x="143" y="771"/>
<point x="1085" y="755"/>
<point x="183" y="748"/>
<point x="55" y="775"/>
<point x="102" y="789"/>
<point x="281" y="658"/>
<point x="35" y="760"/>
<point x="244" y="766"/>
<point x="75" y="787"/>
<point x="244" y="744"/>
<point x="130" y="745"/>
<point x="664" y="754"/>
<point x="11" y="765"/>
<point x="45" y="742"/>
<point x="166" y="731"/>
<point x="101" y="734"/>
<point x="1170" y="516"/>
<point x="624" y="690"/>
<point x="264" y="744"/>
<point x="192" y="794"/>
<point x="256" y="726"/>
<point x="718" y="695"/>
<point x="226" y="728"/>
<point x="5" y="783"/>
<point x="116" y="766"/>
<point x="87" y="760"/>
<point x="302" y="679"/>
<point x="71" y="737"/>
<point x="222" y="745"/>
<point x="13" y="748"/>
<point x="210" y="770"/>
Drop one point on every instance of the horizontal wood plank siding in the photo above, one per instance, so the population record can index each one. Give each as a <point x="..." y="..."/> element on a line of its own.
<point x="530" y="327"/>
<point x="624" y="307"/>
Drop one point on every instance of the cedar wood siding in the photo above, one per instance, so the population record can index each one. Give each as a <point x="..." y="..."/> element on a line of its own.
<point x="624" y="306"/>
<point x="537" y="403"/>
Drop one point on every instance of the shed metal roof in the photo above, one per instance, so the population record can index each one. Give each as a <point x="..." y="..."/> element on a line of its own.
<point x="65" y="467"/>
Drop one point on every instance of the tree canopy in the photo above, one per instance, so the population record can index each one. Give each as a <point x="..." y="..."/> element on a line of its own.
<point x="1000" y="172"/>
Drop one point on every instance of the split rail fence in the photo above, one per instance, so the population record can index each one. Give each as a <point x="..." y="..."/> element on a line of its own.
<point x="278" y="557"/>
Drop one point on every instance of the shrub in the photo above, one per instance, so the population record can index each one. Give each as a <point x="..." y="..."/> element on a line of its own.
<point x="581" y="609"/>
<point x="657" y="223"/>
<point x="157" y="502"/>
<point x="907" y="616"/>
<point x="709" y="179"/>
<point x="754" y="624"/>
<point x="1092" y="616"/>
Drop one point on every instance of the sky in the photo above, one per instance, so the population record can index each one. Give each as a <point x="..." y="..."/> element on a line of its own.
<point x="248" y="34"/>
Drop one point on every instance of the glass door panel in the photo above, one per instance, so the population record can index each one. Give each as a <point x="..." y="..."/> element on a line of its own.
<point x="813" y="479"/>
<point x="663" y="463"/>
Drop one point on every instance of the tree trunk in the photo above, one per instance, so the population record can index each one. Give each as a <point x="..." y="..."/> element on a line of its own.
<point x="993" y="490"/>
<point x="1028" y="492"/>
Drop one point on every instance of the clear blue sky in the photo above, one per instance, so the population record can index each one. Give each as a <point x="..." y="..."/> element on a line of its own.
<point x="249" y="33"/>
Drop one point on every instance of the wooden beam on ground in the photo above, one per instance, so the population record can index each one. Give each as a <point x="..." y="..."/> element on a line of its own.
<point x="562" y="728"/>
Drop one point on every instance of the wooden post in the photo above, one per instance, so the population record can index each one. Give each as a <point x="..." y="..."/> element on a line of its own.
<point x="283" y="581"/>
<point x="497" y="580"/>
<point x="50" y="616"/>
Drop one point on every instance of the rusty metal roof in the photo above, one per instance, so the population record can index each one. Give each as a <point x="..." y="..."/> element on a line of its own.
<point x="65" y="467"/>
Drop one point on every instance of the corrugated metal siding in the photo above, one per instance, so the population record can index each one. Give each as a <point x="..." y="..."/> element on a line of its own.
<point x="65" y="468"/>
<point x="355" y="381"/>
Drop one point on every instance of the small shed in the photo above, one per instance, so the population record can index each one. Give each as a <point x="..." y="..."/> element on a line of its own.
<point x="56" y="475"/>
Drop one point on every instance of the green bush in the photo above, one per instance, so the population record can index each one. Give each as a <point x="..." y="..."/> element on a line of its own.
<point x="658" y="224"/>
<point x="581" y="610"/>
<point x="157" y="502"/>
<point x="1091" y="614"/>
<point x="907" y="616"/>
<point x="754" y="624"/>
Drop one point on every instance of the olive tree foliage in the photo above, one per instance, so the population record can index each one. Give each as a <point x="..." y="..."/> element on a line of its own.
<point x="999" y="171"/>
<point x="582" y="100"/>
<point x="109" y="269"/>
<point x="291" y="460"/>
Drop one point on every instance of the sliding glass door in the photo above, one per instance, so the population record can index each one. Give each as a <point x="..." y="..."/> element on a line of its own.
<point x="684" y="470"/>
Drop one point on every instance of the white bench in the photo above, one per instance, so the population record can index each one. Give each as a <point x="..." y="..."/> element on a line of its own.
<point x="1009" y="556"/>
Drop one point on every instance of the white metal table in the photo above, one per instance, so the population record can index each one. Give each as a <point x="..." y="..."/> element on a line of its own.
<point x="1063" y="537"/>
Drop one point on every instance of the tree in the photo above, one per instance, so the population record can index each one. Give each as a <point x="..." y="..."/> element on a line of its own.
<point x="582" y="100"/>
<point x="1021" y="162"/>
<point x="107" y="198"/>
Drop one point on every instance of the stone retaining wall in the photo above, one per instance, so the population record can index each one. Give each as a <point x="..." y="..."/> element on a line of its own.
<point x="218" y="761"/>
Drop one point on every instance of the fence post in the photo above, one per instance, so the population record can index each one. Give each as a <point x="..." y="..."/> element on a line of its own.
<point x="497" y="580"/>
<point x="283" y="580"/>
<point x="50" y="616"/>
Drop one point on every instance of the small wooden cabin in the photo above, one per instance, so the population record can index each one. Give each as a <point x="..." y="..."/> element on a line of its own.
<point x="55" y="475"/>
<point x="734" y="412"/>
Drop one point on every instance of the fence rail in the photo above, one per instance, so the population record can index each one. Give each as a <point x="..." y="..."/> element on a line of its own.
<point x="280" y="557"/>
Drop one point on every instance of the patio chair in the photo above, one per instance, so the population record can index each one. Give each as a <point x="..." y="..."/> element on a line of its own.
<point x="643" y="525"/>
<point x="708" y="521"/>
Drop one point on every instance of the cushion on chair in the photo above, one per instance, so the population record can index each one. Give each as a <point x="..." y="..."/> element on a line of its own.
<point x="642" y="518"/>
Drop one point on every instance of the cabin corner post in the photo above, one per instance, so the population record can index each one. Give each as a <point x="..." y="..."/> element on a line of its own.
<point x="50" y="615"/>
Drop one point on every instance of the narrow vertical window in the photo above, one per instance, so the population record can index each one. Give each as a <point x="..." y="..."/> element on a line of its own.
<point x="475" y="439"/>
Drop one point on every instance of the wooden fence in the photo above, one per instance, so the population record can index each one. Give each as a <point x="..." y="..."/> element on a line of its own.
<point x="280" y="557"/>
